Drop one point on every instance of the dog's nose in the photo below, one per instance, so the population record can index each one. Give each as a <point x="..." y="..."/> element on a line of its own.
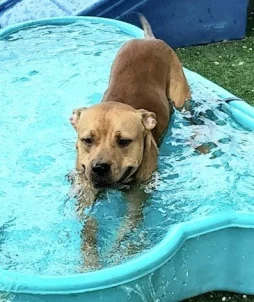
<point x="101" y="169"/>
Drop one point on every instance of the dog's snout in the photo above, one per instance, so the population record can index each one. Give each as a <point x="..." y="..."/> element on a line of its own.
<point x="101" y="169"/>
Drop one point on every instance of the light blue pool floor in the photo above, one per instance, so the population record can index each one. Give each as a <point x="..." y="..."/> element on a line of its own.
<point x="45" y="73"/>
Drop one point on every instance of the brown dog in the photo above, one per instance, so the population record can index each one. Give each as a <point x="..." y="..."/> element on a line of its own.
<point x="117" y="139"/>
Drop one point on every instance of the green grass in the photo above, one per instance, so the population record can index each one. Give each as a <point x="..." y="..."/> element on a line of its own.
<point x="229" y="64"/>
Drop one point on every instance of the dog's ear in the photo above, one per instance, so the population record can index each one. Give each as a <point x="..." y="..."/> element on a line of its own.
<point x="148" y="119"/>
<point x="74" y="119"/>
<point x="178" y="90"/>
<point x="149" y="160"/>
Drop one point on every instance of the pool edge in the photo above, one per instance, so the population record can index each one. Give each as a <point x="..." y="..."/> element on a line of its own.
<point x="131" y="270"/>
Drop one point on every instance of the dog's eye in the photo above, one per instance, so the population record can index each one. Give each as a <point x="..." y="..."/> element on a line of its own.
<point x="87" y="141"/>
<point x="124" y="142"/>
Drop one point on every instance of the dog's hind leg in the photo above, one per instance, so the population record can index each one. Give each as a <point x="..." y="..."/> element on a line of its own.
<point x="178" y="91"/>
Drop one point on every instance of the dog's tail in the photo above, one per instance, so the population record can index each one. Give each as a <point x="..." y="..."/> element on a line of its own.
<point x="146" y="27"/>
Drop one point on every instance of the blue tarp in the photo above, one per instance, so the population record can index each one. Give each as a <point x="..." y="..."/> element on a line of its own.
<point x="178" y="22"/>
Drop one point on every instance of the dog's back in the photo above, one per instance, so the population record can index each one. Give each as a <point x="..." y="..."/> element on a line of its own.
<point x="140" y="76"/>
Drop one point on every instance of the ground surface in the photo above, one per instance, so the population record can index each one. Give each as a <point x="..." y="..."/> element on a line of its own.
<point x="231" y="65"/>
<point x="220" y="296"/>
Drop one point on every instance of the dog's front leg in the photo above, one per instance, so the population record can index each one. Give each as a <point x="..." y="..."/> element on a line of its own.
<point x="86" y="198"/>
<point x="135" y="198"/>
<point x="89" y="244"/>
<point x="89" y="247"/>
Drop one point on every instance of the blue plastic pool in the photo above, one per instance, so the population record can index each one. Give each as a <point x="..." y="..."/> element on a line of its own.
<point x="49" y="67"/>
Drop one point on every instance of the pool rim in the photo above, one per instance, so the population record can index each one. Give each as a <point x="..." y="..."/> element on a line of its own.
<point x="158" y="255"/>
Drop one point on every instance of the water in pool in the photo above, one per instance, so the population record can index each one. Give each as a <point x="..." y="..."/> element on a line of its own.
<point x="46" y="72"/>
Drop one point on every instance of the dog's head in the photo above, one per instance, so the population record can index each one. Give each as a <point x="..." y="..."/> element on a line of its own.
<point x="113" y="142"/>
